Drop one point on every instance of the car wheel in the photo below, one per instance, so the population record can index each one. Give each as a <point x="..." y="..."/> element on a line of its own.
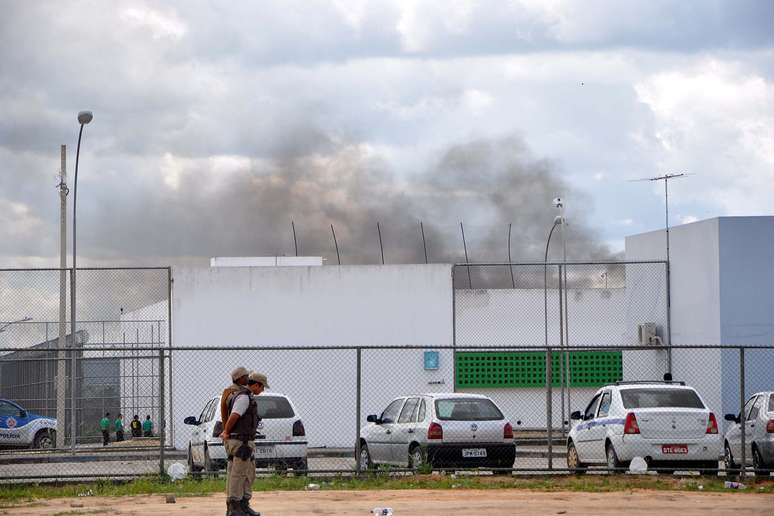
<point x="416" y="457"/>
<point x="365" y="459"/>
<point x="300" y="465"/>
<point x="728" y="461"/>
<point x="45" y="439"/>
<point x="758" y="464"/>
<point x="573" y="461"/>
<point x="192" y="467"/>
<point x="612" y="459"/>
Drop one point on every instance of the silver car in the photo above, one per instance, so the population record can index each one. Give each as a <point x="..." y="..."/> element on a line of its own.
<point x="440" y="429"/>
<point x="758" y="420"/>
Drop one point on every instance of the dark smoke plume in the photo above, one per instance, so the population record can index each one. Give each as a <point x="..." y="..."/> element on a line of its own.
<point x="486" y="184"/>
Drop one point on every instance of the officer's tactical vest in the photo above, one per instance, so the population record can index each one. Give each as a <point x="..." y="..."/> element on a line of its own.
<point x="245" y="428"/>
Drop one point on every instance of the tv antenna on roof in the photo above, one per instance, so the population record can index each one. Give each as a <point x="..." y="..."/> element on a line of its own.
<point x="665" y="178"/>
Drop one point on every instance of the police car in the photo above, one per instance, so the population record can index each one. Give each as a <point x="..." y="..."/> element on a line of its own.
<point x="665" y="423"/>
<point x="281" y="438"/>
<point x="19" y="428"/>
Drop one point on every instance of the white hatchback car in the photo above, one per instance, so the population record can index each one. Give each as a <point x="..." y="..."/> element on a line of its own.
<point x="665" y="423"/>
<point x="281" y="440"/>
<point x="443" y="430"/>
<point x="758" y="434"/>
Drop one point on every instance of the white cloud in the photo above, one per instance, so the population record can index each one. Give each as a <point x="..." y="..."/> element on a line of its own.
<point x="477" y="101"/>
<point x="160" y="25"/>
<point x="715" y="119"/>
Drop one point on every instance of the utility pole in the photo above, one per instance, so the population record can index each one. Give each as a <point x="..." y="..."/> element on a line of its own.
<point x="61" y="365"/>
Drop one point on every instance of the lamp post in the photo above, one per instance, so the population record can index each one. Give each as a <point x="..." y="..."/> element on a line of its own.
<point x="564" y="338"/>
<point x="6" y="325"/>
<point x="549" y="393"/>
<point x="84" y="117"/>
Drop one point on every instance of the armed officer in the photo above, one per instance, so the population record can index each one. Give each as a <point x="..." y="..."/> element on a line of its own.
<point x="238" y="436"/>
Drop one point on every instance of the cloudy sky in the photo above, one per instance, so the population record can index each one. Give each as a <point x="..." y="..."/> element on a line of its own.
<point x="216" y="124"/>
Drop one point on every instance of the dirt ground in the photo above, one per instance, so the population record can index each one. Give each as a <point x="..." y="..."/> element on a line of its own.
<point x="493" y="502"/>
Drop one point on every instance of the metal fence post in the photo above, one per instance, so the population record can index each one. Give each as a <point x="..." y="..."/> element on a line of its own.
<point x="357" y="410"/>
<point x="162" y="415"/>
<point x="561" y="343"/>
<point x="549" y="406"/>
<point x="170" y="281"/>
<point x="73" y="364"/>
<point x="743" y="464"/>
<point x="454" y="331"/>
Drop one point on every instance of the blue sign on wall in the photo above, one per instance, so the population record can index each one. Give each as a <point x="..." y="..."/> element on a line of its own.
<point x="431" y="360"/>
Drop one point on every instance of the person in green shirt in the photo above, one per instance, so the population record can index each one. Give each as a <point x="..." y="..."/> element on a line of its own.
<point x="147" y="427"/>
<point x="119" y="426"/>
<point x="104" y="425"/>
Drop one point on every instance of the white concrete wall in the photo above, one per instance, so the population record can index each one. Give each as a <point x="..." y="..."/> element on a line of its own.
<point x="312" y="306"/>
<point x="695" y="302"/>
<point x="515" y="317"/>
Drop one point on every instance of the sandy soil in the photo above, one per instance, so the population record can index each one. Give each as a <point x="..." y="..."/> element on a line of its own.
<point x="425" y="502"/>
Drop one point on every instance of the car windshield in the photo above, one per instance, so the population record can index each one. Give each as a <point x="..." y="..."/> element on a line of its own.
<point x="273" y="407"/>
<point x="661" y="398"/>
<point x="467" y="409"/>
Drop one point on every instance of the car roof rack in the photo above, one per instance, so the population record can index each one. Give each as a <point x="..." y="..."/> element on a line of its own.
<point x="645" y="382"/>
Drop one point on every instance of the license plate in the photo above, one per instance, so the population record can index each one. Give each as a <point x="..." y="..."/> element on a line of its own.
<point x="473" y="452"/>
<point x="264" y="451"/>
<point x="674" y="449"/>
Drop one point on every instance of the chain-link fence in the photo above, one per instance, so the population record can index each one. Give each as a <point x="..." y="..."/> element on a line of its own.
<point x="333" y="410"/>
<point x="61" y="380"/>
<point x="498" y="398"/>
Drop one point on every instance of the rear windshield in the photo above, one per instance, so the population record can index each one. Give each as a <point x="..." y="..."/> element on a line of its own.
<point x="661" y="398"/>
<point x="467" y="409"/>
<point x="771" y="403"/>
<point x="273" y="407"/>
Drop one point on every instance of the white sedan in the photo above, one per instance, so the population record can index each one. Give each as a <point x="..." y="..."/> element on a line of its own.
<point x="665" y="423"/>
<point x="281" y="437"/>
<point x="442" y="429"/>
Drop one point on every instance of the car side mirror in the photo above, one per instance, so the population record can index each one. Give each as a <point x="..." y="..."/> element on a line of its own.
<point x="191" y="420"/>
<point x="372" y="418"/>
<point x="22" y="413"/>
<point x="732" y="417"/>
<point x="576" y="415"/>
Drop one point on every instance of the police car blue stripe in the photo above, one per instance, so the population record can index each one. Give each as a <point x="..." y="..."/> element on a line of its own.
<point x="597" y="422"/>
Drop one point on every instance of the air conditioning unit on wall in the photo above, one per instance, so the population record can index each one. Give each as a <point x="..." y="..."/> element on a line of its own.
<point x="647" y="333"/>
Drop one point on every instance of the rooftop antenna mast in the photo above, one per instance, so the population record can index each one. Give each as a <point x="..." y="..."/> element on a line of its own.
<point x="665" y="178"/>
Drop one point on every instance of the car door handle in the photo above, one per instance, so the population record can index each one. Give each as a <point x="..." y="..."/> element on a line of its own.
<point x="388" y="432"/>
<point x="410" y="431"/>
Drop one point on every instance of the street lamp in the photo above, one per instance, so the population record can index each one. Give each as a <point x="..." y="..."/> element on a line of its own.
<point x="6" y="325"/>
<point x="558" y="220"/>
<point x="84" y="117"/>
